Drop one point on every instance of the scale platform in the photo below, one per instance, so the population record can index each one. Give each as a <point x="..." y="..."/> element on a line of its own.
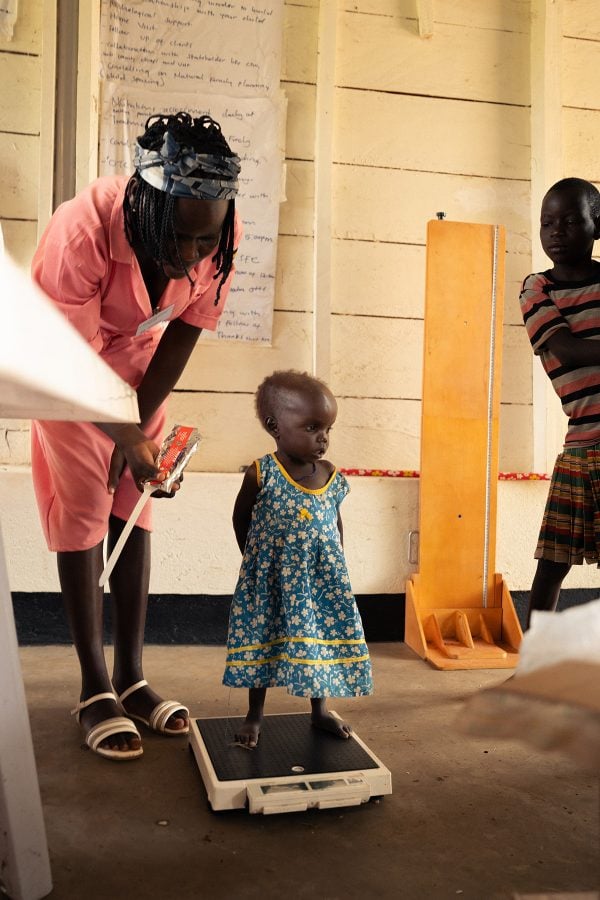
<point x="294" y="767"/>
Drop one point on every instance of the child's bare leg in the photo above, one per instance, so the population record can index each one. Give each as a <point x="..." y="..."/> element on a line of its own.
<point x="545" y="589"/>
<point x="129" y="585"/>
<point x="248" y="733"/>
<point x="322" y="718"/>
<point x="78" y="572"/>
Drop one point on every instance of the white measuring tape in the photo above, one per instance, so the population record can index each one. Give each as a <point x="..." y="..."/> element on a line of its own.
<point x="490" y="423"/>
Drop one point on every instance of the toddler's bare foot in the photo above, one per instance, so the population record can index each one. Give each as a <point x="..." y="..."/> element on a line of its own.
<point x="247" y="734"/>
<point x="322" y="718"/>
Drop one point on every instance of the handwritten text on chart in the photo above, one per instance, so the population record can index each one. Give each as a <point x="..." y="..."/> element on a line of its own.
<point x="163" y="44"/>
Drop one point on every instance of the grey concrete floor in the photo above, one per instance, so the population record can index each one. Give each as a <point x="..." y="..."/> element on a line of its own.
<point x="468" y="818"/>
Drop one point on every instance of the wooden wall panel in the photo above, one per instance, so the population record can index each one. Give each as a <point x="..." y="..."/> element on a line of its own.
<point x="293" y="278"/>
<point x="300" y="27"/>
<point x="19" y="176"/>
<point x="20" y="240"/>
<point x="296" y="213"/>
<point x="580" y="65"/>
<point x="15" y="442"/>
<point x="419" y="126"/>
<point x="372" y="278"/>
<point x="580" y="19"/>
<point x="477" y="138"/>
<point x="374" y="433"/>
<point x="503" y="15"/>
<point x="581" y="143"/>
<point x="381" y="53"/>
<point x="516" y="366"/>
<point x="376" y="357"/>
<point x="231" y="434"/>
<point x="27" y="35"/>
<point x="389" y="205"/>
<point x="300" y="123"/>
<point x="226" y="366"/>
<point x="20" y="104"/>
<point x="516" y="438"/>
<point x="518" y="266"/>
<point x="20" y="108"/>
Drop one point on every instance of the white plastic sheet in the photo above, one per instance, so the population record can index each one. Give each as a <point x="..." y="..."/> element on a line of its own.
<point x="573" y="634"/>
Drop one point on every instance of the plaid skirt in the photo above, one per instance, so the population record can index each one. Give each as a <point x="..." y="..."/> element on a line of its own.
<point x="570" y="531"/>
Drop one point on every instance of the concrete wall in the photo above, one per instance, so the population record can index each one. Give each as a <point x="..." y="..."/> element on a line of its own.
<point x="420" y="125"/>
<point x="194" y="550"/>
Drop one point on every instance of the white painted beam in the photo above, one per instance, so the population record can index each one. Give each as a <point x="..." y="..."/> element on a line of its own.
<point x="425" y="17"/>
<point x="321" y="361"/>
<point x="549" y="423"/>
<point x="88" y="94"/>
<point x="46" y="169"/>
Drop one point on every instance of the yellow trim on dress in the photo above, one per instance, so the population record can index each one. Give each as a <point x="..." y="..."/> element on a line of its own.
<point x="305" y="490"/>
<point x="295" y="640"/>
<point x="298" y="661"/>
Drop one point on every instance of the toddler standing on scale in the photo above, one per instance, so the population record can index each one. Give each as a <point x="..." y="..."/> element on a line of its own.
<point x="294" y="622"/>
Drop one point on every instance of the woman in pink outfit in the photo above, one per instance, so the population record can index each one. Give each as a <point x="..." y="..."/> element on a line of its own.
<point x="139" y="266"/>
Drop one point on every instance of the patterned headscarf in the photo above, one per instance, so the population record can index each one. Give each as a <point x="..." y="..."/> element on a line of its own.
<point x="180" y="171"/>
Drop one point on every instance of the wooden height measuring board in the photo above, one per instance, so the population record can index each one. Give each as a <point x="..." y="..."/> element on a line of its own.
<point x="459" y="613"/>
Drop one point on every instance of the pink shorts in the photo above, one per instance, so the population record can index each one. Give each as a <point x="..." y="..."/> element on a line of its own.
<point x="70" y="463"/>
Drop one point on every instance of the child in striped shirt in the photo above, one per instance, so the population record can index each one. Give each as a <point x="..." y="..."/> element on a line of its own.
<point x="561" y="310"/>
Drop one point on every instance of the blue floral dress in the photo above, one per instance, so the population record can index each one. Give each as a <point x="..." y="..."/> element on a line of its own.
<point x="294" y="622"/>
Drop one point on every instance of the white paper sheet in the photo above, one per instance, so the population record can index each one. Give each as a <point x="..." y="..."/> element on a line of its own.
<point x="221" y="57"/>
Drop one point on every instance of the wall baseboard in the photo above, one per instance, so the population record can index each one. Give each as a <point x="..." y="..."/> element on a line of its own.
<point x="185" y="618"/>
<point x="202" y="618"/>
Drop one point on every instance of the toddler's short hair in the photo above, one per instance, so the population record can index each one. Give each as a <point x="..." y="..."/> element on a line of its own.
<point x="273" y="393"/>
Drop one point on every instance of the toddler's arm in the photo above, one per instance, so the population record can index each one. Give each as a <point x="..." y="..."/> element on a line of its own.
<point x="242" y="510"/>
<point x="340" y="528"/>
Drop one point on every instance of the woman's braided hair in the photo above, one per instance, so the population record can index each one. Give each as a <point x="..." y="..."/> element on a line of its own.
<point x="149" y="212"/>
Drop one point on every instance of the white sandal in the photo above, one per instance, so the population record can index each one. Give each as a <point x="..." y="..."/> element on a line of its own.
<point x="106" y="728"/>
<point x="160" y="715"/>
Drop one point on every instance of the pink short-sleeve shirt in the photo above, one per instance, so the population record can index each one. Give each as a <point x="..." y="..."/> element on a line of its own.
<point x="87" y="267"/>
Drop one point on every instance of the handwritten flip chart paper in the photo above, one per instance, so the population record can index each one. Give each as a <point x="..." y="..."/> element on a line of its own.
<point x="221" y="57"/>
<point x="207" y="46"/>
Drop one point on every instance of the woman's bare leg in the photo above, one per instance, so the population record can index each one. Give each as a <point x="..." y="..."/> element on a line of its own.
<point x="129" y="585"/>
<point x="78" y="572"/>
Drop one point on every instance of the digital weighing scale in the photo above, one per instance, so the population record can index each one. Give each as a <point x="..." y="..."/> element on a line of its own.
<point x="294" y="767"/>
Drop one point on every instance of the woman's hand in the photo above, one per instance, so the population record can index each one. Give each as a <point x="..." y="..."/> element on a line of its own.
<point x="140" y="456"/>
<point x="168" y="494"/>
<point x="120" y="459"/>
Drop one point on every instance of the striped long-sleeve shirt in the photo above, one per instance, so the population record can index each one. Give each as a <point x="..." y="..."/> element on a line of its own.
<point x="547" y="306"/>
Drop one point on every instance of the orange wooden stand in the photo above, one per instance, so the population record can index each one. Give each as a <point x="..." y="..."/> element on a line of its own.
<point x="459" y="612"/>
